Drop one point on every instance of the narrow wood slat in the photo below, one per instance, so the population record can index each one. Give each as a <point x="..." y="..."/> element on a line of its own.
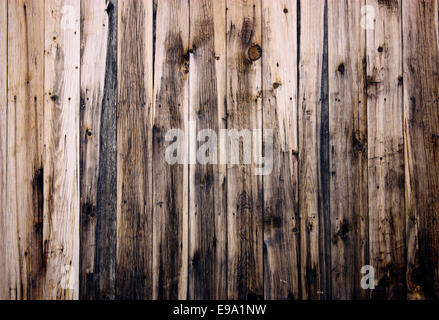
<point x="170" y="111"/>
<point x="4" y="288"/>
<point x="348" y="147"/>
<point x="421" y="133"/>
<point x="385" y="150"/>
<point x="313" y="152"/>
<point x="61" y="140"/>
<point x="98" y="148"/>
<point x="23" y="219"/>
<point x="134" y="150"/>
<point x="244" y="187"/>
<point x="207" y="182"/>
<point x="281" y="229"/>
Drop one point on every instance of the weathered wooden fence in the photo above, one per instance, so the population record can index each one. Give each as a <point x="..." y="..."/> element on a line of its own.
<point x="91" y="209"/>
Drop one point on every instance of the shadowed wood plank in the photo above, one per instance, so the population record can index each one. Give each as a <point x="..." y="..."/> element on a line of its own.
<point x="421" y="133"/>
<point x="4" y="288"/>
<point x="244" y="187"/>
<point x="279" y="69"/>
<point x="385" y="151"/>
<point x="23" y="220"/>
<point x="348" y="147"/>
<point x="98" y="148"/>
<point x="170" y="194"/>
<point x="61" y="138"/>
<point x="134" y="150"/>
<point x="208" y="193"/>
<point x="313" y="153"/>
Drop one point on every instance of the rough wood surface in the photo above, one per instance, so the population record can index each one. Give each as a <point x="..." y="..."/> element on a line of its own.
<point x="421" y="133"/>
<point x="98" y="148"/>
<point x="348" y="147"/>
<point x="313" y="153"/>
<point x="207" y="182"/>
<point x="61" y="149"/>
<point x="134" y="150"/>
<point x="385" y="150"/>
<point x="281" y="228"/>
<point x="170" y="111"/>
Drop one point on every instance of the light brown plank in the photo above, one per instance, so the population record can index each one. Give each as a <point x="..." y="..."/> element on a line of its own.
<point x="208" y="193"/>
<point x="421" y="133"/>
<point x="170" y="111"/>
<point x="348" y="145"/>
<point x="244" y="188"/>
<point x="279" y="69"/>
<point x="24" y="198"/>
<point x="312" y="135"/>
<point x="385" y="150"/>
<point x="98" y="148"/>
<point x="134" y="150"/>
<point x="61" y="139"/>
<point x="4" y="289"/>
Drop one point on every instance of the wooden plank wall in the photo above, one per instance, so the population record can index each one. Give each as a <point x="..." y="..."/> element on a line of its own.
<point x="91" y="208"/>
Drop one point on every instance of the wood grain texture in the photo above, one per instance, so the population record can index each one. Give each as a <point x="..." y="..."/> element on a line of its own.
<point x="385" y="151"/>
<point x="281" y="229"/>
<point x="244" y="188"/>
<point x="61" y="141"/>
<point x="207" y="182"/>
<point x="98" y="148"/>
<point x="134" y="150"/>
<point x="421" y="133"/>
<point x="24" y="178"/>
<point x="4" y="288"/>
<point x="348" y="147"/>
<point x="170" y="111"/>
<point x="313" y="152"/>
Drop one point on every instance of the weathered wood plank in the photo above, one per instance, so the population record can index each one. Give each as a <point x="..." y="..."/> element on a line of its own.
<point x="170" y="111"/>
<point x="4" y="288"/>
<point x="207" y="181"/>
<point x="98" y="148"/>
<point x="23" y="219"/>
<point x="421" y="133"/>
<point x="134" y="150"/>
<point x="385" y="150"/>
<point x="348" y="147"/>
<point x="313" y="152"/>
<point x="244" y="187"/>
<point x="61" y="139"/>
<point x="279" y="69"/>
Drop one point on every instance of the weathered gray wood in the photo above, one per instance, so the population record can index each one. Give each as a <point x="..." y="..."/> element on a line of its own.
<point x="348" y="147"/>
<point x="134" y="150"/>
<point x="61" y="143"/>
<point x="170" y="111"/>
<point x="207" y="182"/>
<point x="98" y="148"/>
<point x="421" y="133"/>
<point x="279" y="69"/>
<point x="385" y="150"/>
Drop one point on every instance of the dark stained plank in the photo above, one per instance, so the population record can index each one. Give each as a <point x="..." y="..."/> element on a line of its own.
<point x="313" y="152"/>
<point x="134" y="150"/>
<point x="279" y="69"/>
<point x="421" y="133"/>
<point x="170" y="111"/>
<point x="61" y="143"/>
<point x="23" y="216"/>
<point x="348" y="147"/>
<point x="207" y="181"/>
<point x="385" y="151"/>
<point x="98" y="148"/>
<point x="244" y="187"/>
